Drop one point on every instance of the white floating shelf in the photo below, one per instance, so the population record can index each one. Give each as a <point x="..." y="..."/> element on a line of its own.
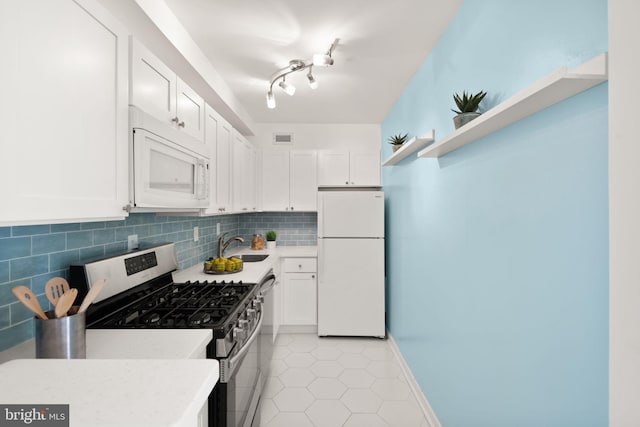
<point x="557" y="86"/>
<point x="409" y="148"/>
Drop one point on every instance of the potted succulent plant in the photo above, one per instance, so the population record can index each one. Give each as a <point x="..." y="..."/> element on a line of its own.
<point x="271" y="239"/>
<point x="467" y="107"/>
<point x="396" y="141"/>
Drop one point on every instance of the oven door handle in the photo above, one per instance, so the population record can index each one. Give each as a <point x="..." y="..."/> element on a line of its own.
<point x="272" y="278"/>
<point x="232" y="363"/>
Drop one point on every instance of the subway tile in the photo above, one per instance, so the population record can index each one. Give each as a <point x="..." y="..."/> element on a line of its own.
<point x="139" y="218"/>
<point x="15" y="247"/>
<point x="155" y="229"/>
<point x="141" y="231"/>
<point x="29" y="266"/>
<point x="19" y="313"/>
<point x="88" y="254"/>
<point x="5" y="316"/>
<point x="46" y="243"/>
<point x="170" y="227"/>
<point x="62" y="260"/>
<point x="5" y="232"/>
<point x="102" y="237"/>
<point x="29" y="230"/>
<point x="79" y="239"/>
<point x="6" y="296"/>
<point x="115" y="224"/>
<point x="115" y="248"/>
<point x="4" y="271"/>
<point x="16" y="334"/>
<point x="59" y="228"/>
<point x="123" y="233"/>
<point x="92" y="225"/>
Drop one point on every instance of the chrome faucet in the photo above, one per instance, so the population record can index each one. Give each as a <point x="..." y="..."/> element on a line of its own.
<point x="222" y="245"/>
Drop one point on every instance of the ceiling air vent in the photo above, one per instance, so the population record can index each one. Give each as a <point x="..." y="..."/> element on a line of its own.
<point x="283" y="138"/>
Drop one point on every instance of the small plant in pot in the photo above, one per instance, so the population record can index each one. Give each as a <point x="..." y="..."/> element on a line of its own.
<point x="396" y="141"/>
<point x="467" y="107"/>
<point x="271" y="239"/>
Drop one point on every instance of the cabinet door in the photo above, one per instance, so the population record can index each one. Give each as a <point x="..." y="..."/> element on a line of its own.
<point x="189" y="110"/>
<point x="153" y="84"/>
<point x="212" y="121"/>
<point x="300" y="299"/>
<point x="250" y="177"/>
<point x="333" y="168"/>
<point x="364" y="169"/>
<point x="275" y="180"/>
<point x="303" y="191"/>
<point x="238" y="160"/>
<point x="223" y="167"/>
<point x="68" y="161"/>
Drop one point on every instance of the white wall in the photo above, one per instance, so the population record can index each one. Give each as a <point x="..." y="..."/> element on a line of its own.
<point x="624" y="214"/>
<point x="361" y="137"/>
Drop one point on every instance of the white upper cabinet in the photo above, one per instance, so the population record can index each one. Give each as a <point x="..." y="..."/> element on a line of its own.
<point x="158" y="91"/>
<point x="243" y="173"/>
<point x="218" y="136"/>
<point x="289" y="180"/>
<point x="275" y="180"/>
<point x="348" y="168"/>
<point x="303" y="184"/>
<point x="68" y="59"/>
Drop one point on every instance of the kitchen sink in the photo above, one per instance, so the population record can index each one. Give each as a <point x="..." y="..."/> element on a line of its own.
<point x="253" y="257"/>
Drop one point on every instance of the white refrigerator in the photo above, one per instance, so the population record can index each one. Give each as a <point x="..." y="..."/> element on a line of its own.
<point x="351" y="263"/>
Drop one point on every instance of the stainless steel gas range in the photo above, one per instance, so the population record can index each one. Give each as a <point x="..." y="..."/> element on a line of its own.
<point x="141" y="294"/>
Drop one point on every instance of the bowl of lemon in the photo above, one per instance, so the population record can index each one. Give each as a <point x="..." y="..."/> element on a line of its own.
<point x="222" y="265"/>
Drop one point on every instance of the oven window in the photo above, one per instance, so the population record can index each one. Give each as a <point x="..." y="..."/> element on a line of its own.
<point x="170" y="174"/>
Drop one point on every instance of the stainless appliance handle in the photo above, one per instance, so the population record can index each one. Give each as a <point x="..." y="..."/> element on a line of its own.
<point x="233" y="362"/>
<point x="271" y="277"/>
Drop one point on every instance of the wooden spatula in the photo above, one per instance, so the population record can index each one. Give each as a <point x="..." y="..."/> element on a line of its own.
<point x="55" y="288"/>
<point x="29" y="299"/>
<point x="65" y="302"/>
<point x="92" y="294"/>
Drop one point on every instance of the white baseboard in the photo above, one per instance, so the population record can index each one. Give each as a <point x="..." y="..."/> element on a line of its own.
<point x="430" y="416"/>
<point x="298" y="329"/>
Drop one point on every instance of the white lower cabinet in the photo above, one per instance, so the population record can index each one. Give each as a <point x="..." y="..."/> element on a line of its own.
<point x="299" y="296"/>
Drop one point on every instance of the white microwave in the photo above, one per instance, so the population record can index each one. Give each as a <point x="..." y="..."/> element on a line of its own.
<point x="168" y="170"/>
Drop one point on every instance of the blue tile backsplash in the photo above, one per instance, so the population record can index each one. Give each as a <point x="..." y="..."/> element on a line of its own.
<point x="31" y="255"/>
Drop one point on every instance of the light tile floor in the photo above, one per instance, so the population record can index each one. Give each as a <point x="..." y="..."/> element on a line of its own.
<point x="336" y="382"/>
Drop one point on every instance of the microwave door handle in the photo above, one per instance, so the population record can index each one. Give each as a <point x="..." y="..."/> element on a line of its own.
<point x="201" y="183"/>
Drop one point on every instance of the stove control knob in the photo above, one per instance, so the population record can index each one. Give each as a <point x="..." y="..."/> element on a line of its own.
<point x="239" y="334"/>
<point x="257" y="304"/>
<point x="251" y="313"/>
<point x="243" y="323"/>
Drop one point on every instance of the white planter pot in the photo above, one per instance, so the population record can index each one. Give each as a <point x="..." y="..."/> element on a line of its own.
<point x="271" y="245"/>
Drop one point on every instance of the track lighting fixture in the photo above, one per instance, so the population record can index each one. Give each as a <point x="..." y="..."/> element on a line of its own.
<point x="324" y="59"/>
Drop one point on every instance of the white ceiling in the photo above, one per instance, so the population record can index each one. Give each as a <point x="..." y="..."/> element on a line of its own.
<point x="382" y="44"/>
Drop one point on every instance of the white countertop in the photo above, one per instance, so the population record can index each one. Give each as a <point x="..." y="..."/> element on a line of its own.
<point x="122" y="393"/>
<point x="252" y="271"/>
<point x="130" y="344"/>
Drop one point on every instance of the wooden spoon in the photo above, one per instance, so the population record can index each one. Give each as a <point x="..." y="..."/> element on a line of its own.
<point x="55" y="288"/>
<point x="65" y="302"/>
<point x="92" y="294"/>
<point x="28" y="298"/>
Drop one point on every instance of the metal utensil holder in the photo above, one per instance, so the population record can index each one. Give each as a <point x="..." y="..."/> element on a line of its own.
<point x="63" y="338"/>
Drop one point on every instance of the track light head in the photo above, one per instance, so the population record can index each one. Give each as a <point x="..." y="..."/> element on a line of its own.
<point x="289" y="89"/>
<point x="322" y="60"/>
<point x="313" y="83"/>
<point x="271" y="100"/>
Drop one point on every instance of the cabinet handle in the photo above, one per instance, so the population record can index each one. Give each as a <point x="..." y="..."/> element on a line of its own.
<point x="181" y="124"/>
<point x="175" y="120"/>
<point x="313" y="276"/>
<point x="352" y="183"/>
<point x="291" y="207"/>
<point x="346" y="182"/>
<point x="287" y="208"/>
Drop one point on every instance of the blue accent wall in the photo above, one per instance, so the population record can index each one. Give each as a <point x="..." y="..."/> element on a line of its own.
<point x="31" y="255"/>
<point x="497" y="253"/>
